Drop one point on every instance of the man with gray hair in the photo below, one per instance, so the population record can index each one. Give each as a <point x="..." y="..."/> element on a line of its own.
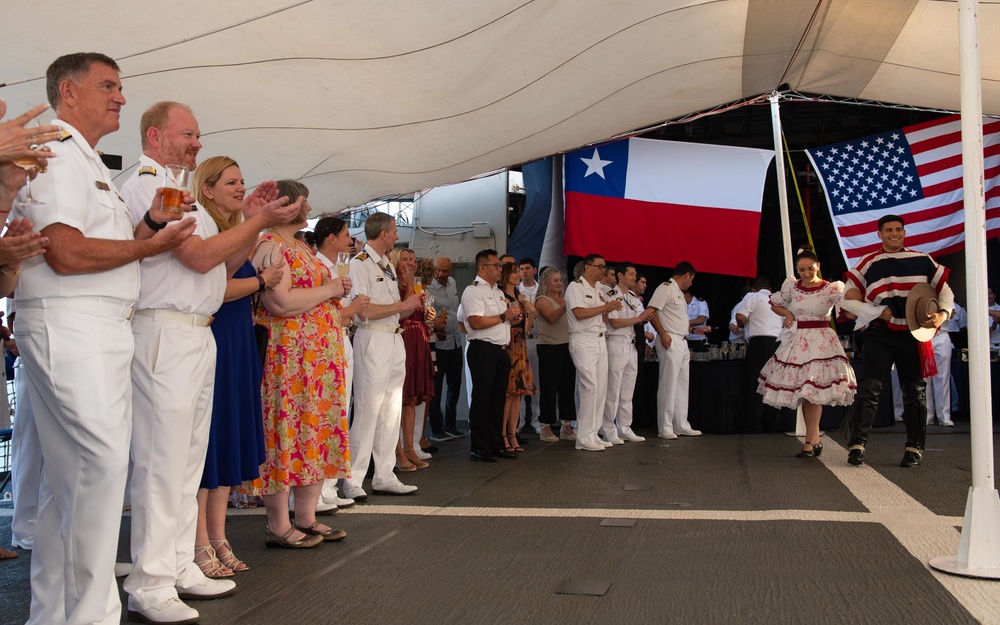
<point x="379" y="362"/>
<point x="74" y="305"/>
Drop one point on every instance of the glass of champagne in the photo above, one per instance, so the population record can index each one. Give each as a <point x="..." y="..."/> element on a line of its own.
<point x="28" y="163"/>
<point x="343" y="264"/>
<point x="176" y="182"/>
<point x="725" y="350"/>
<point x="418" y="285"/>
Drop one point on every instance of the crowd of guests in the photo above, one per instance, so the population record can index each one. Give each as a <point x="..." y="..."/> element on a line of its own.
<point x="242" y="354"/>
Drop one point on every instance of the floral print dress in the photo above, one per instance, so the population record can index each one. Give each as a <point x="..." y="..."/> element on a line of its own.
<point x="305" y="419"/>
<point x="810" y="364"/>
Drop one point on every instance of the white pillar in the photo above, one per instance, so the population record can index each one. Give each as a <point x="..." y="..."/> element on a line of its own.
<point x="979" y="547"/>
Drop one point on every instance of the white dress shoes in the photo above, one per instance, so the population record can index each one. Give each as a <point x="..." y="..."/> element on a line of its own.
<point x="632" y="437"/>
<point x="614" y="440"/>
<point x="208" y="588"/>
<point x="667" y="435"/>
<point x="589" y="445"/>
<point x="23" y="543"/>
<point x="421" y="454"/>
<point x="173" y="611"/>
<point x="690" y="432"/>
<point x="355" y="493"/>
<point x="340" y="502"/>
<point x="397" y="488"/>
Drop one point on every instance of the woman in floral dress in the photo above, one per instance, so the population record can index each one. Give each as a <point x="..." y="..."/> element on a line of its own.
<point x="521" y="382"/>
<point x="810" y="365"/>
<point x="305" y="419"/>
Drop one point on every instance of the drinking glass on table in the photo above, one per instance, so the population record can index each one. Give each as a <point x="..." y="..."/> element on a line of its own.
<point x="176" y="182"/>
<point x="725" y="350"/>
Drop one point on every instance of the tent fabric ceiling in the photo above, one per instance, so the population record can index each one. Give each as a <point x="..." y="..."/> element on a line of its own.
<point x="368" y="99"/>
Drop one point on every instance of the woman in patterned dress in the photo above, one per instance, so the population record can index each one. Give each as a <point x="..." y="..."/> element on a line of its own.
<point x="520" y="381"/>
<point x="305" y="419"/>
<point x="810" y="365"/>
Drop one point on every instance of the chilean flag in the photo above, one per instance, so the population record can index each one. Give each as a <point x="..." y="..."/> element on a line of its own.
<point x="660" y="202"/>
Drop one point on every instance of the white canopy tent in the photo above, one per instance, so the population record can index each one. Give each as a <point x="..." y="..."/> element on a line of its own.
<point x="369" y="99"/>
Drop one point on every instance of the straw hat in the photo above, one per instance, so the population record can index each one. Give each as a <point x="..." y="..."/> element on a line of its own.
<point x="921" y="304"/>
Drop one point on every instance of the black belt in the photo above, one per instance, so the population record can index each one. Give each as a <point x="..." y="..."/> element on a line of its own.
<point x="488" y="344"/>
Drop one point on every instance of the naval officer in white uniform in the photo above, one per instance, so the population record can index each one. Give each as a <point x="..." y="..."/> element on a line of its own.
<point x="589" y="349"/>
<point x="74" y="305"/>
<point x="379" y="363"/>
<point x="623" y="361"/>
<point x="173" y="374"/>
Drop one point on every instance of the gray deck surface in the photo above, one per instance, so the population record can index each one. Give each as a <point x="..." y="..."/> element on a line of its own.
<point x="733" y="530"/>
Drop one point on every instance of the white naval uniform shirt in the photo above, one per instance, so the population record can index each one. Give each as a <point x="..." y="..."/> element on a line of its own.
<point x="695" y="309"/>
<point x="375" y="277"/>
<point x="165" y="281"/>
<point x="631" y="307"/>
<point x="671" y="309"/>
<point x="482" y="300"/>
<point x="761" y="320"/>
<point x="77" y="191"/>
<point x="531" y="292"/>
<point x="580" y="294"/>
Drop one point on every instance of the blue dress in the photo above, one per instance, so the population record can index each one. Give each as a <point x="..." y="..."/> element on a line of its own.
<point x="236" y="438"/>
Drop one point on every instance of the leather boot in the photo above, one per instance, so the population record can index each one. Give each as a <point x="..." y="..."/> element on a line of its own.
<point x="915" y="418"/>
<point x="862" y="417"/>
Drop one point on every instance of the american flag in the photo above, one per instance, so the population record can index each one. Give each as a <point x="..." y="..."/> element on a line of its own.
<point x="914" y="172"/>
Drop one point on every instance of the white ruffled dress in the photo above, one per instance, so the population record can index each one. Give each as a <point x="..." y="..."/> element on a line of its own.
<point x="810" y="363"/>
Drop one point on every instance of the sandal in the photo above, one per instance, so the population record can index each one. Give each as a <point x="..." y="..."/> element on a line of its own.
<point x="210" y="564"/>
<point x="7" y="553"/>
<point x="515" y="447"/>
<point x="227" y="557"/>
<point x="417" y="463"/>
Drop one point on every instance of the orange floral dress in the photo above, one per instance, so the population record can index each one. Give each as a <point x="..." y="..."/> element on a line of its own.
<point x="305" y="419"/>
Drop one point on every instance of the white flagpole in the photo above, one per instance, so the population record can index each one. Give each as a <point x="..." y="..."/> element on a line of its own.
<point x="786" y="237"/>
<point x="979" y="547"/>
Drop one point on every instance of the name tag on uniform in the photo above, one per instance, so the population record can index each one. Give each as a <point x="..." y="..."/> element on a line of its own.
<point x="589" y="296"/>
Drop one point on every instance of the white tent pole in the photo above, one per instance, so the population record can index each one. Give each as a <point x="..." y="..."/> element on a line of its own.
<point x="786" y="236"/>
<point x="979" y="547"/>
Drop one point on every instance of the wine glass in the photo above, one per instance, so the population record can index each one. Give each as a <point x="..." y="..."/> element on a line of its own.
<point x="28" y="163"/>
<point x="725" y="350"/>
<point x="343" y="264"/>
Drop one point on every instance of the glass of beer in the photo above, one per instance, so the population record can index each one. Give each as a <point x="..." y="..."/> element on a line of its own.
<point x="176" y="182"/>
<point x="418" y="285"/>
<point x="343" y="264"/>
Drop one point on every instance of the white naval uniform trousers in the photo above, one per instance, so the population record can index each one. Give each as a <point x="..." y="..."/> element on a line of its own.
<point x="77" y="363"/>
<point x="939" y="386"/>
<point x="173" y="375"/>
<point x="26" y="461"/>
<point x="380" y="365"/>
<point x="672" y="394"/>
<point x="329" y="493"/>
<point x="623" y="367"/>
<point x="589" y="352"/>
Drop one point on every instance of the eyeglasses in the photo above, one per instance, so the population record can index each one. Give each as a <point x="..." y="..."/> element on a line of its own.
<point x="601" y="267"/>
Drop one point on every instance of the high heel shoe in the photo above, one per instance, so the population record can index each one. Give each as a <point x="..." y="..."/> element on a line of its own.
<point x="209" y="563"/>
<point x="405" y="468"/>
<point x="513" y="447"/>
<point x="224" y="551"/>
<point x="817" y="449"/>
<point x="807" y="453"/>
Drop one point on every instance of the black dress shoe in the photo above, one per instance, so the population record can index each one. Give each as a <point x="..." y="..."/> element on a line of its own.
<point x="911" y="458"/>
<point x="856" y="456"/>
<point x="481" y="455"/>
<point x="506" y="453"/>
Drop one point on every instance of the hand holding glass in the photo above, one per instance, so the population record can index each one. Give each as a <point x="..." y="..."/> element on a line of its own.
<point x="343" y="264"/>
<point x="28" y="163"/>
<point x="176" y="182"/>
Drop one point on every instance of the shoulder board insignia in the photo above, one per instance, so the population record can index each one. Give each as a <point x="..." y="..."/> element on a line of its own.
<point x="611" y="292"/>
<point x="65" y="135"/>
<point x="147" y="170"/>
<point x="103" y="186"/>
<point x="578" y="280"/>
<point x="363" y="256"/>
